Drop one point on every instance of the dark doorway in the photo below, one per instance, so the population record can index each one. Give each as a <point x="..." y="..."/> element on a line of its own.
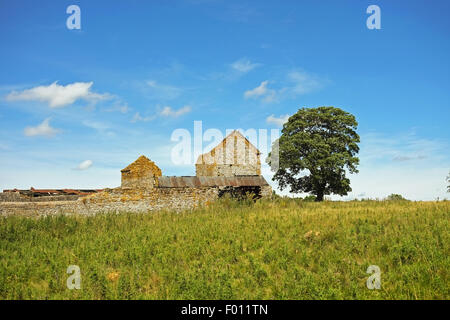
<point x="241" y="192"/>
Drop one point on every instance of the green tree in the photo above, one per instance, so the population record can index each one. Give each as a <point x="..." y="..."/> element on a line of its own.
<point x="315" y="148"/>
<point x="448" y="180"/>
<point x="395" y="197"/>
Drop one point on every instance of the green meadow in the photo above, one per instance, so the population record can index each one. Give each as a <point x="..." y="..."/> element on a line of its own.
<point x="270" y="249"/>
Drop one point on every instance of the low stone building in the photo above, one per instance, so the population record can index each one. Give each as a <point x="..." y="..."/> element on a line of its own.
<point x="141" y="174"/>
<point x="233" y="167"/>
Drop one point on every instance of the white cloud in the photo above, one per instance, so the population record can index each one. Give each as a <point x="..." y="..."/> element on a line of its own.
<point x="100" y="127"/>
<point x="406" y="147"/>
<point x="56" y="166"/>
<point x="169" y="112"/>
<point x="96" y="125"/>
<point x="408" y="158"/>
<point x="137" y="117"/>
<point x="43" y="129"/>
<point x="84" y="165"/>
<point x="295" y="83"/>
<point x="244" y="65"/>
<point x="122" y="108"/>
<point x="302" y="82"/>
<point x="405" y="163"/>
<point x="263" y="92"/>
<point x="58" y="95"/>
<point x="162" y="91"/>
<point x="277" y="121"/>
<point x="259" y="91"/>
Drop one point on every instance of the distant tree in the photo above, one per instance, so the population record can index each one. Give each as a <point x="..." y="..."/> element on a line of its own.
<point x="309" y="198"/>
<point x="315" y="148"/>
<point x="448" y="180"/>
<point x="395" y="197"/>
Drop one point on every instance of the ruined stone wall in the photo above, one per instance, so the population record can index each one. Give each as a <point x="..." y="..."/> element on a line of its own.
<point x="117" y="200"/>
<point x="121" y="200"/>
<point x="13" y="196"/>
<point x="17" y="197"/>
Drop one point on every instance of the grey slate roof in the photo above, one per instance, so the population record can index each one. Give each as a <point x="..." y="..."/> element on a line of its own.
<point x="194" y="181"/>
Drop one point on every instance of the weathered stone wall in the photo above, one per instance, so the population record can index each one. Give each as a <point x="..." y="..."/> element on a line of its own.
<point x="266" y="191"/>
<point x="122" y="200"/>
<point x="141" y="174"/>
<point x="227" y="170"/>
<point x="117" y="200"/>
<point x="17" y="197"/>
<point x="13" y="196"/>
<point x="234" y="156"/>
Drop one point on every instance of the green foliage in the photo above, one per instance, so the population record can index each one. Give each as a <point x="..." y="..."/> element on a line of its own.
<point x="317" y="145"/>
<point x="448" y="180"/>
<point x="269" y="249"/>
<point x="309" y="198"/>
<point x="396" y="197"/>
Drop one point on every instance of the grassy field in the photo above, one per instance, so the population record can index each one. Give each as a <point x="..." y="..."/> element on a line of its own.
<point x="282" y="249"/>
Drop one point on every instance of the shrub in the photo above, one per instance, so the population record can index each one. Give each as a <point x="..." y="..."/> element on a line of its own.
<point x="310" y="198"/>
<point x="396" y="197"/>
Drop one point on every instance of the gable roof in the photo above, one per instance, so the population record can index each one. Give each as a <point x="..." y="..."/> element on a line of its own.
<point x="235" y="133"/>
<point x="139" y="162"/>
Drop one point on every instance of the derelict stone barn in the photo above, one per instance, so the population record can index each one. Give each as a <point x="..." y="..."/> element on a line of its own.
<point x="141" y="174"/>
<point x="233" y="167"/>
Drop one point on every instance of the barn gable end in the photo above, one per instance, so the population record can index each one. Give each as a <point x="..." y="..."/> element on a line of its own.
<point x="141" y="174"/>
<point x="234" y="156"/>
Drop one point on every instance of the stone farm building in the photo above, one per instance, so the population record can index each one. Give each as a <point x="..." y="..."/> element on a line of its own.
<point x="233" y="167"/>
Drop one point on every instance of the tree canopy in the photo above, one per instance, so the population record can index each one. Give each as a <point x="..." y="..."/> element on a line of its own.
<point x="316" y="147"/>
<point x="448" y="180"/>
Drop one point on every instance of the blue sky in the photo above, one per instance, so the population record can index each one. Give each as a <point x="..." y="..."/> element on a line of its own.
<point x="76" y="106"/>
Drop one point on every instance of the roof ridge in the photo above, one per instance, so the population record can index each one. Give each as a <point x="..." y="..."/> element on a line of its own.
<point x="140" y="158"/>
<point x="200" y="157"/>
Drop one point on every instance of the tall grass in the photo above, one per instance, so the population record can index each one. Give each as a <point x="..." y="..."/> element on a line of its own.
<point x="280" y="249"/>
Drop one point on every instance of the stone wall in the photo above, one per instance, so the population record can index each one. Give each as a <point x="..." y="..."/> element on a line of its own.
<point x="13" y="196"/>
<point x="122" y="200"/>
<point x="227" y="170"/>
<point x="17" y="197"/>
<point x="266" y="191"/>
<point x="117" y="200"/>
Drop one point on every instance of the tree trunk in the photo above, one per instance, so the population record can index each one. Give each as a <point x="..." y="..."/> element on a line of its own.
<point x="319" y="196"/>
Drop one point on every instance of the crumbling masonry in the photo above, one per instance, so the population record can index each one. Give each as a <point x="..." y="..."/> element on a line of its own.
<point x="233" y="167"/>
